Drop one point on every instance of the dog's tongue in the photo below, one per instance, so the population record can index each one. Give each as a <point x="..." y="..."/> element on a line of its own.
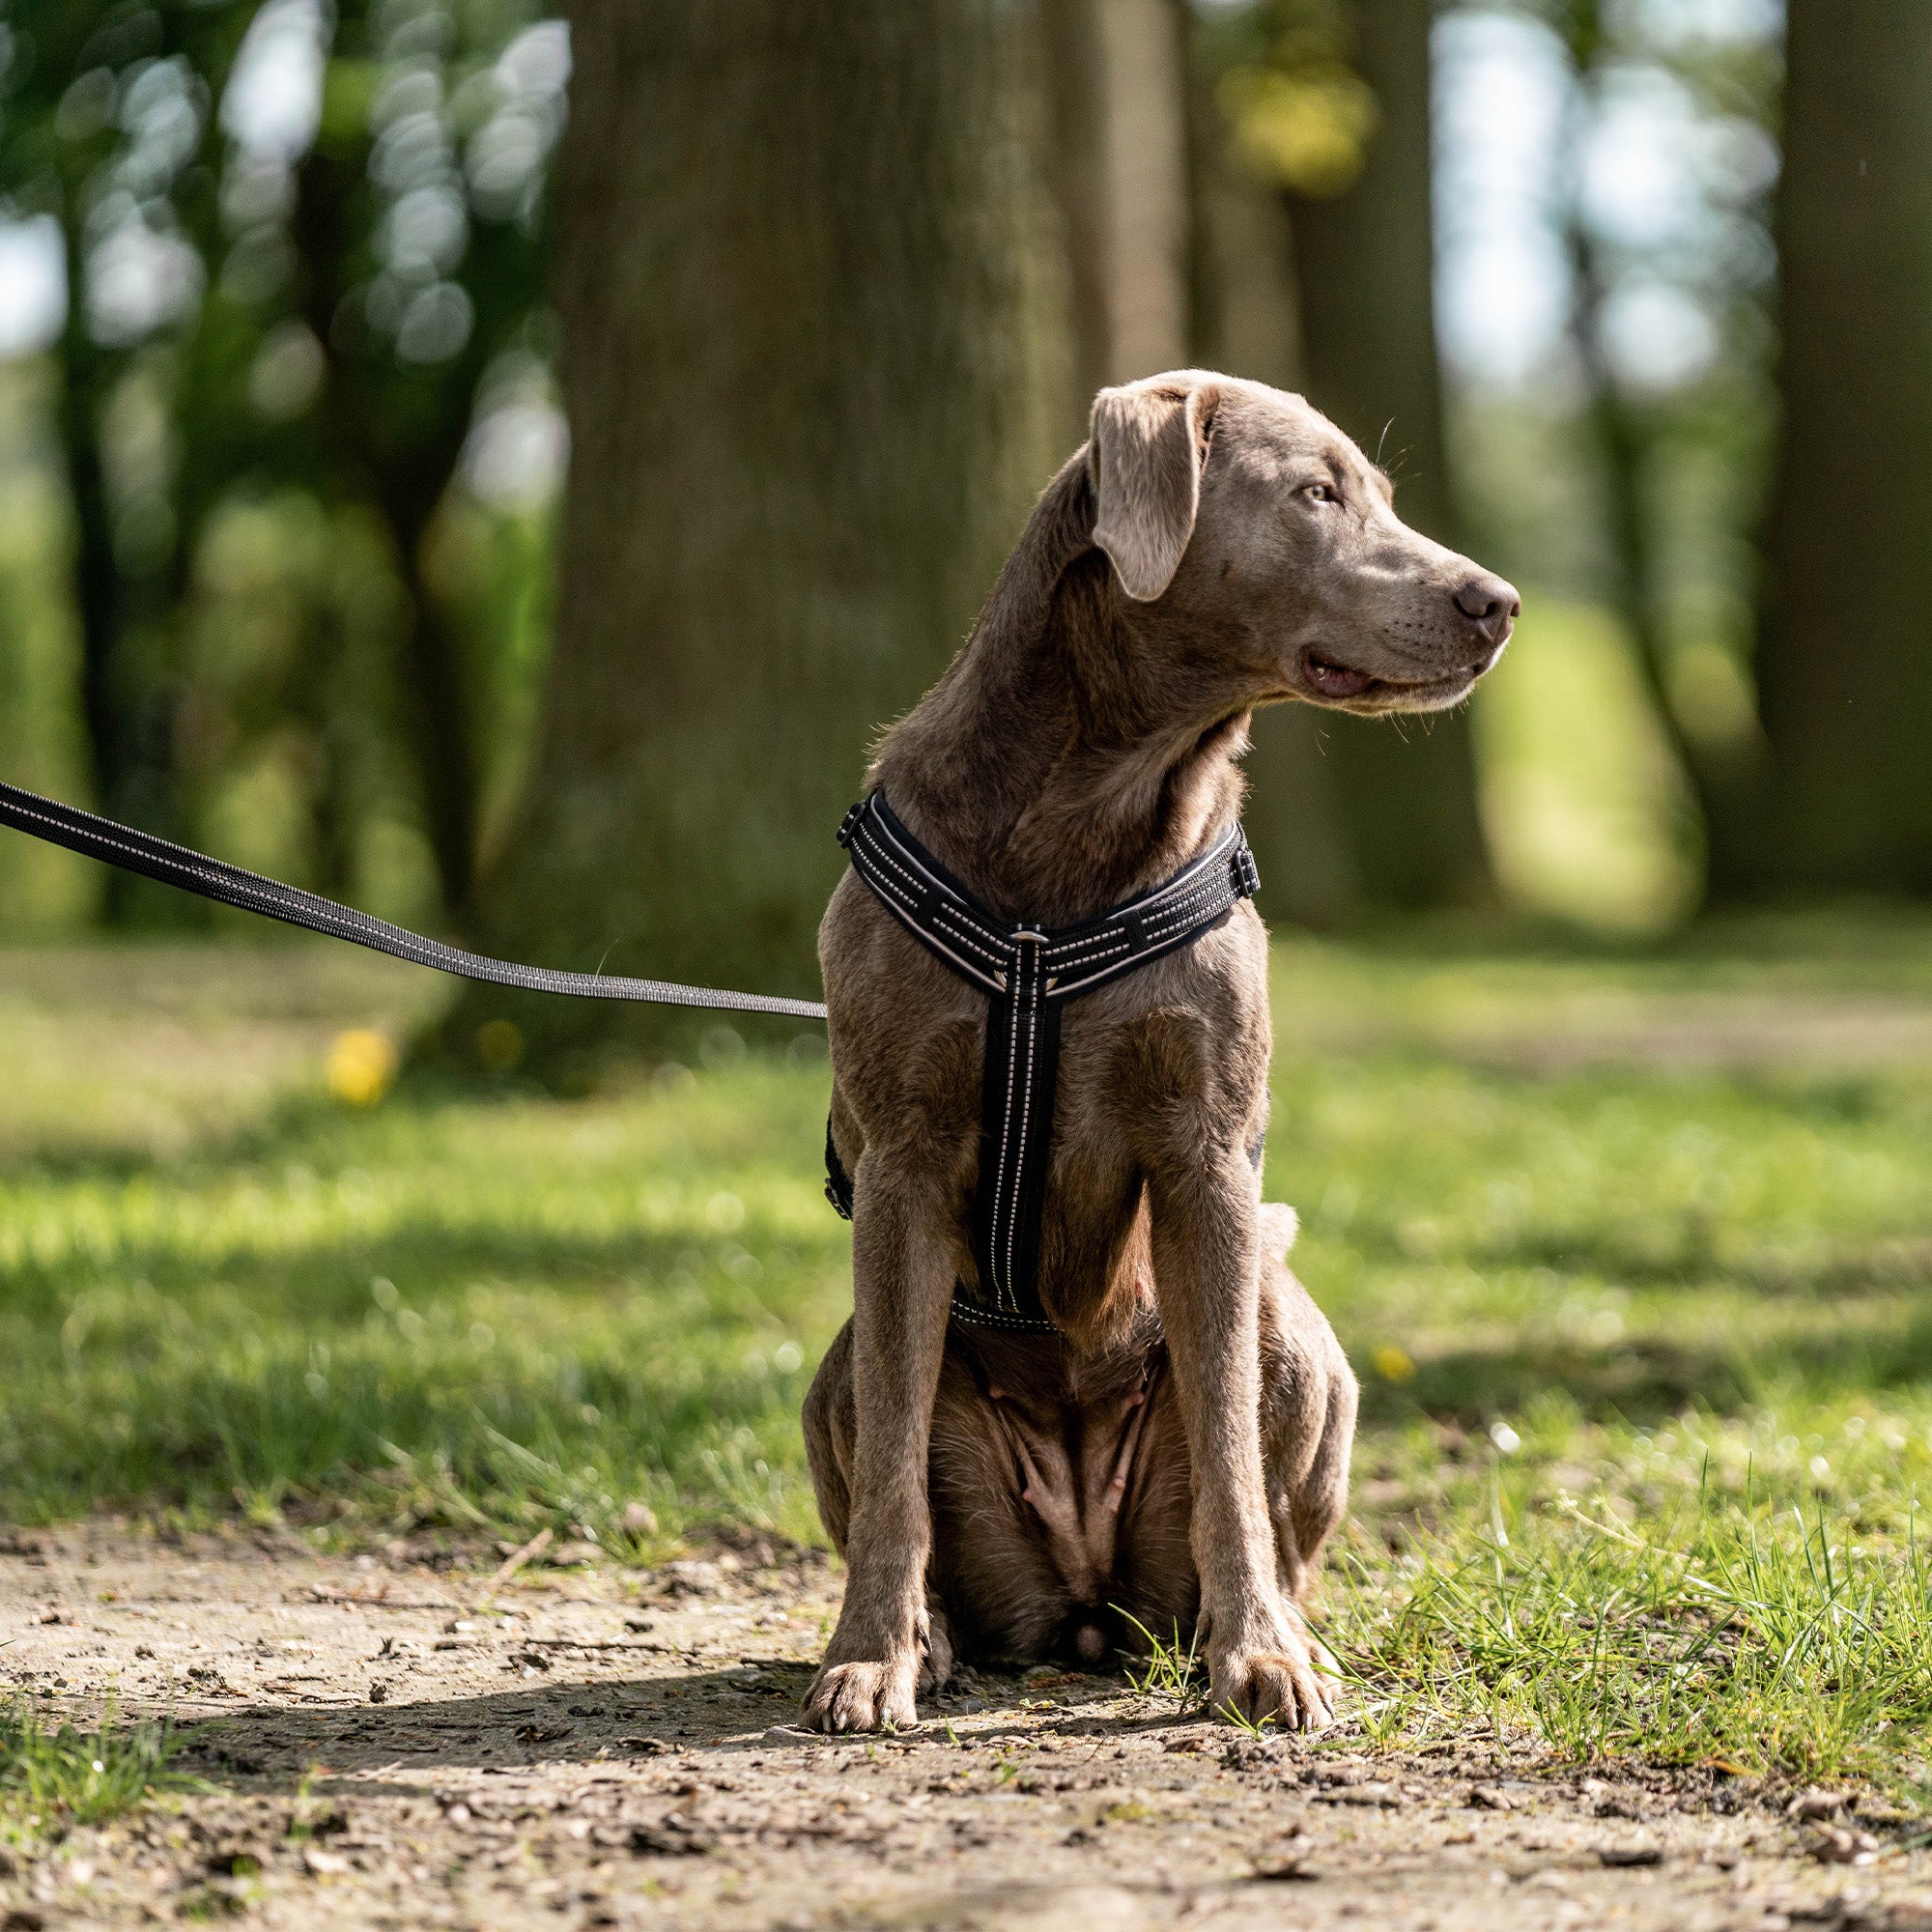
<point x="1334" y="680"/>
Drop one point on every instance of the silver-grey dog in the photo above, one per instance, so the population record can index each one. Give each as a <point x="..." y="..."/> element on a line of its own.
<point x="1179" y="1448"/>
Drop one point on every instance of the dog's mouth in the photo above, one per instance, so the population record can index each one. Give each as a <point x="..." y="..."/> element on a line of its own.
<point x="1343" y="684"/>
<point x="1335" y="680"/>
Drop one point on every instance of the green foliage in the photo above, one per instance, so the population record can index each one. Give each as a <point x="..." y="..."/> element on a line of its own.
<point x="41" y="745"/>
<point x="1298" y="113"/>
<point x="293" y="324"/>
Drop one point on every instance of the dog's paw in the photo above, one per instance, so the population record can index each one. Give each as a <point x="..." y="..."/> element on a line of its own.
<point x="1285" y="1687"/>
<point x="863" y="1698"/>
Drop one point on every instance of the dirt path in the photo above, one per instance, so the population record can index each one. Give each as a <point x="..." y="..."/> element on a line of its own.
<point x="591" y="1747"/>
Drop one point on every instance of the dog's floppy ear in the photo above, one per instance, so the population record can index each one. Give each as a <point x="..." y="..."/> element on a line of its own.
<point x="1144" y="452"/>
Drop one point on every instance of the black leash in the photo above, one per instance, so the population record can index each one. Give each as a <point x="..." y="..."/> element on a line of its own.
<point x="153" y="857"/>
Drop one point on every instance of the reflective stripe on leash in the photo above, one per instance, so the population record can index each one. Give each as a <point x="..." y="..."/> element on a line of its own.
<point x="190" y="871"/>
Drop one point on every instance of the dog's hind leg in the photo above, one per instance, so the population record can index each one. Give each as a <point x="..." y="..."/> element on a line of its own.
<point x="830" y="1421"/>
<point x="1308" y="1425"/>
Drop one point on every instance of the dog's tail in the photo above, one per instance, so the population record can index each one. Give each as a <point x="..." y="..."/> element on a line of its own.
<point x="1280" y="1224"/>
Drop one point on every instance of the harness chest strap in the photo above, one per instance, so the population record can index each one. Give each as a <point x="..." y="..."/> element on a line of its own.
<point x="1028" y="973"/>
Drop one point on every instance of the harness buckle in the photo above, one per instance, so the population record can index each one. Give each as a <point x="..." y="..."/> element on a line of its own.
<point x="1246" y="874"/>
<point x="849" y="824"/>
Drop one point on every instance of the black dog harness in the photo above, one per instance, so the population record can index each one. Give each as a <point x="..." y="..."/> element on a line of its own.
<point x="1028" y="973"/>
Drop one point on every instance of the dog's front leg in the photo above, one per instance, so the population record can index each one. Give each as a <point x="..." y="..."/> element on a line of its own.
<point x="1206" y="1266"/>
<point x="903" y="1273"/>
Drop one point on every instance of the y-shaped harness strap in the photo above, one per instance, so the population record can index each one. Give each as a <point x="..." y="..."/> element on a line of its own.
<point x="1028" y="973"/>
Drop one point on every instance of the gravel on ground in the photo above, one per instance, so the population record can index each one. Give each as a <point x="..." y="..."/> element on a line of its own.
<point x="391" y="1742"/>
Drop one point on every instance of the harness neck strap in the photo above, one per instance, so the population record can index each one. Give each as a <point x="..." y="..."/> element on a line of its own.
<point x="1028" y="973"/>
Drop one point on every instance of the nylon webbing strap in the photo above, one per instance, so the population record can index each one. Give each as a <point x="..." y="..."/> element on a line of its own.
<point x="153" y="857"/>
<point x="1016" y="1128"/>
<point x="1028" y="975"/>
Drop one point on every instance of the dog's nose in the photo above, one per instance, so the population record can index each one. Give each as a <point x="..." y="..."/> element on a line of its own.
<point x="1490" y="604"/>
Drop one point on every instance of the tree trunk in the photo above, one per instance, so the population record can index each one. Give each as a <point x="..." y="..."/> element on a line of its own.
<point x="1629" y="449"/>
<point x="1118" y="80"/>
<point x="127" y="692"/>
<point x="1845" y="625"/>
<point x="1172" y="258"/>
<point x="398" y="452"/>
<point x="797" y="336"/>
<point x="1248" y="324"/>
<point x="1364" y="268"/>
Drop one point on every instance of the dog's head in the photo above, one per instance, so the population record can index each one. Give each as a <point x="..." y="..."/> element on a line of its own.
<point x="1248" y="516"/>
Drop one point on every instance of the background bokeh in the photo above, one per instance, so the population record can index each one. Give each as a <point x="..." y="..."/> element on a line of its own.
<point x="503" y="470"/>
<point x="286" y="289"/>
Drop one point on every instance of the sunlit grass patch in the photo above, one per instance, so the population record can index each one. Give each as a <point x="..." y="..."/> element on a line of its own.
<point x="1642" y="1301"/>
<point x="480" y="1317"/>
<point x="58" y="1775"/>
<point x="1689" y="1608"/>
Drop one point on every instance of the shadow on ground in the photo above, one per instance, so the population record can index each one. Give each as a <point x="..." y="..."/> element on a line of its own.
<point x="276" y="1749"/>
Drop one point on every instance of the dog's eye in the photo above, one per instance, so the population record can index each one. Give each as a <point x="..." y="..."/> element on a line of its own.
<point x="1320" y="493"/>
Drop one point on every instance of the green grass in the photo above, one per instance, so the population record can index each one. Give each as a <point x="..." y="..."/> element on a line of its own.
<point x="1717" y="1593"/>
<point x="480" y="1315"/>
<point x="53" y="1778"/>
<point x="1633" y="1252"/>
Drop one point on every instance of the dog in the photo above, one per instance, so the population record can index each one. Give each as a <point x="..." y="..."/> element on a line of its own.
<point x="1175" y="1456"/>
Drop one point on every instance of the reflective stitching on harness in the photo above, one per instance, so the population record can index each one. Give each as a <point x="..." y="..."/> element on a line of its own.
<point x="903" y="900"/>
<point x="1029" y="992"/>
<point x="968" y="937"/>
<point x="1032" y="973"/>
<point x="991" y="1318"/>
<point x="1000" y="1286"/>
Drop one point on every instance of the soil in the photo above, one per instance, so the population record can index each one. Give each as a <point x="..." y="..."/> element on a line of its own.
<point x="383" y="1743"/>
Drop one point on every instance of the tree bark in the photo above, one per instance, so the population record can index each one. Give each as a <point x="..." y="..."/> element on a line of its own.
<point x="1628" y="434"/>
<point x="1117" y="81"/>
<point x="798" y="334"/>
<point x="1248" y="324"/>
<point x="1173" y="258"/>
<point x="398" y="451"/>
<point x="1846" y="624"/>
<point x="1364" y="268"/>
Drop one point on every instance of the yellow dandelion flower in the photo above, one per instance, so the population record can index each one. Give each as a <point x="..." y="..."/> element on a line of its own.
<point x="362" y="1066"/>
<point x="1393" y="1364"/>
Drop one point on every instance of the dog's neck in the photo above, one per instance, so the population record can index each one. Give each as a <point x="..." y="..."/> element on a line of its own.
<point x="1075" y="752"/>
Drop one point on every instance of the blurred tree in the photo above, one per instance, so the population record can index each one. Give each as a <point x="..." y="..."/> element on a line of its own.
<point x="106" y="127"/>
<point x="1334" y="104"/>
<point x="1246" y="320"/>
<point x="797" y="339"/>
<point x="1117" y="82"/>
<point x="1845" y="622"/>
<point x="416" y="228"/>
<point x="305" y="247"/>
<point x="1625" y="432"/>
<point x="1647" y="439"/>
<point x="1176" y="257"/>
